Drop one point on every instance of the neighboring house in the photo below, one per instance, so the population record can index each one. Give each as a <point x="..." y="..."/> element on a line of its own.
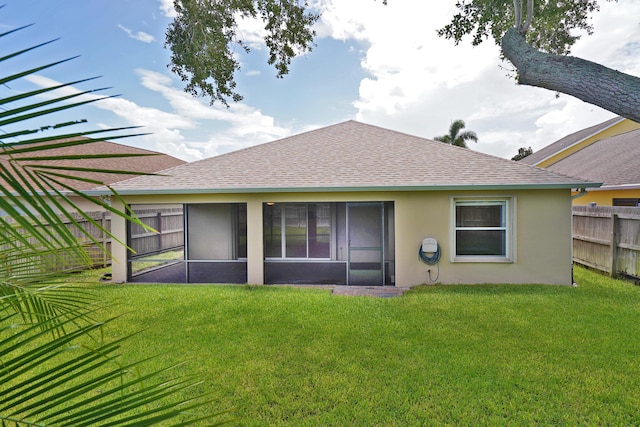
<point x="150" y="162"/>
<point x="351" y="204"/>
<point x="608" y="153"/>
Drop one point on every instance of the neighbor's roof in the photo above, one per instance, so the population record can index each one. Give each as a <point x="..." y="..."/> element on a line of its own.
<point x="150" y="162"/>
<point x="615" y="161"/>
<point x="568" y="141"/>
<point x="349" y="156"/>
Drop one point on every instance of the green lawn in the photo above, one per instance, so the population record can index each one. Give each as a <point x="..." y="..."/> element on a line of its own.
<point x="457" y="355"/>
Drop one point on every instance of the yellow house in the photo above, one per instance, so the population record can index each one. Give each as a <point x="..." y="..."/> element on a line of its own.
<point x="349" y="204"/>
<point x="608" y="153"/>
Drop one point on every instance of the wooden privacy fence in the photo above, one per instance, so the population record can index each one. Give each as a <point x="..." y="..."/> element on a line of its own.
<point x="99" y="257"/>
<point x="607" y="238"/>
<point x="169" y="226"/>
<point x="168" y="223"/>
<point x="63" y="259"/>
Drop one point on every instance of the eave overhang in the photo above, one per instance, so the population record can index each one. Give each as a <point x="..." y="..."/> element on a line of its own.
<point x="618" y="187"/>
<point x="348" y="189"/>
<point x="557" y="153"/>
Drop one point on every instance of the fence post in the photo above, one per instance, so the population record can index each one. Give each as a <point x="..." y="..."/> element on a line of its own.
<point x="159" y="230"/>
<point x="614" y="243"/>
<point x="103" y="223"/>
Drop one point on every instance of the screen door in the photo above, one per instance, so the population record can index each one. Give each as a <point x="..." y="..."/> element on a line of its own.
<point x="365" y="237"/>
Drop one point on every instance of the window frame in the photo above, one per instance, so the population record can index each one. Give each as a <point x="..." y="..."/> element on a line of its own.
<point x="283" y="231"/>
<point x="626" y="201"/>
<point x="508" y="210"/>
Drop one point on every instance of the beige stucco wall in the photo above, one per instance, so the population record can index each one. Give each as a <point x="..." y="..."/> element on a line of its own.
<point x="542" y="234"/>
<point x="542" y="239"/>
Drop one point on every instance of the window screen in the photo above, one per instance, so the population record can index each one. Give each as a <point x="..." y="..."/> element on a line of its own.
<point x="297" y="230"/>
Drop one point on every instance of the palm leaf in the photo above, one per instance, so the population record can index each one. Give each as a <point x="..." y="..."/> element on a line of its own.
<point x="48" y="111"/>
<point x="23" y="51"/>
<point x="5" y="80"/>
<point x="24" y="108"/>
<point x="55" y="369"/>
<point x="7" y="136"/>
<point x="37" y="92"/>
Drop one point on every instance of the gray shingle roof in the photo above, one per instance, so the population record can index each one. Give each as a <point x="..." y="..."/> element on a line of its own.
<point x="613" y="161"/>
<point x="568" y="141"/>
<point x="349" y="155"/>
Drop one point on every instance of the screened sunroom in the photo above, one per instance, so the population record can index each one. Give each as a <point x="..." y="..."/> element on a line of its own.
<point x="329" y="243"/>
<point x="191" y="243"/>
<point x="303" y="243"/>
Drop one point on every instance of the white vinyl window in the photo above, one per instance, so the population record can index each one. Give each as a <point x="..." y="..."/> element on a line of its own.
<point x="483" y="230"/>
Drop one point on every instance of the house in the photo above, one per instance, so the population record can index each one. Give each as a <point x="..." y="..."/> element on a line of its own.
<point x="608" y="153"/>
<point x="349" y="204"/>
<point x="143" y="161"/>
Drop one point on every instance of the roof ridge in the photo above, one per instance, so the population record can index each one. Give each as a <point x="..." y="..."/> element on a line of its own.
<point x="134" y="148"/>
<point x="284" y="138"/>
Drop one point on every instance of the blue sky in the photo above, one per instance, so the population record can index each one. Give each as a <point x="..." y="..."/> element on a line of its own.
<point x="376" y="64"/>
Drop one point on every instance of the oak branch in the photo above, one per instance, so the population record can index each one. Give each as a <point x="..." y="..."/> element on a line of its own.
<point x="591" y="82"/>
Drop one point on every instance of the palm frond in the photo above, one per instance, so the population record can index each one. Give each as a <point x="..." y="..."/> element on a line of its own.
<point x="13" y="113"/>
<point x="55" y="368"/>
<point x="69" y="138"/>
<point x="23" y="51"/>
<point x="5" y="80"/>
<point x="38" y="92"/>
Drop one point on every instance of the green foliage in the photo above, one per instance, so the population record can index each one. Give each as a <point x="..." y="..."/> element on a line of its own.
<point x="439" y="355"/>
<point x="456" y="136"/>
<point x="55" y="367"/>
<point x="552" y="29"/>
<point x="204" y="35"/>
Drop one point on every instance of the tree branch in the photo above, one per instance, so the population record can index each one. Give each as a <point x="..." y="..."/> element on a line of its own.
<point x="527" y="23"/>
<point x="588" y="81"/>
<point x="517" y="12"/>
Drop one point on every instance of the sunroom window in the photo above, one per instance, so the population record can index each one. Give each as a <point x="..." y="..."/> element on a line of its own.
<point x="483" y="230"/>
<point x="297" y="230"/>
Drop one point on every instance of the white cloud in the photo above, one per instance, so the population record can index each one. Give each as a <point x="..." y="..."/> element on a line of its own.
<point x="133" y="113"/>
<point x="167" y="9"/>
<point x="419" y="83"/>
<point x="616" y="41"/>
<point x="164" y="128"/>
<point x="251" y="31"/>
<point x="140" y="35"/>
<point x="416" y="83"/>
<point x="244" y="120"/>
<point x="171" y="141"/>
<point x="219" y="129"/>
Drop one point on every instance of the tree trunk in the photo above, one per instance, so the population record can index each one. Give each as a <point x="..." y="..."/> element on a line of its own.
<point x="593" y="83"/>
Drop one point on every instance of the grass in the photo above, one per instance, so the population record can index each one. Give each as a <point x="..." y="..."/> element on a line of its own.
<point x="439" y="355"/>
